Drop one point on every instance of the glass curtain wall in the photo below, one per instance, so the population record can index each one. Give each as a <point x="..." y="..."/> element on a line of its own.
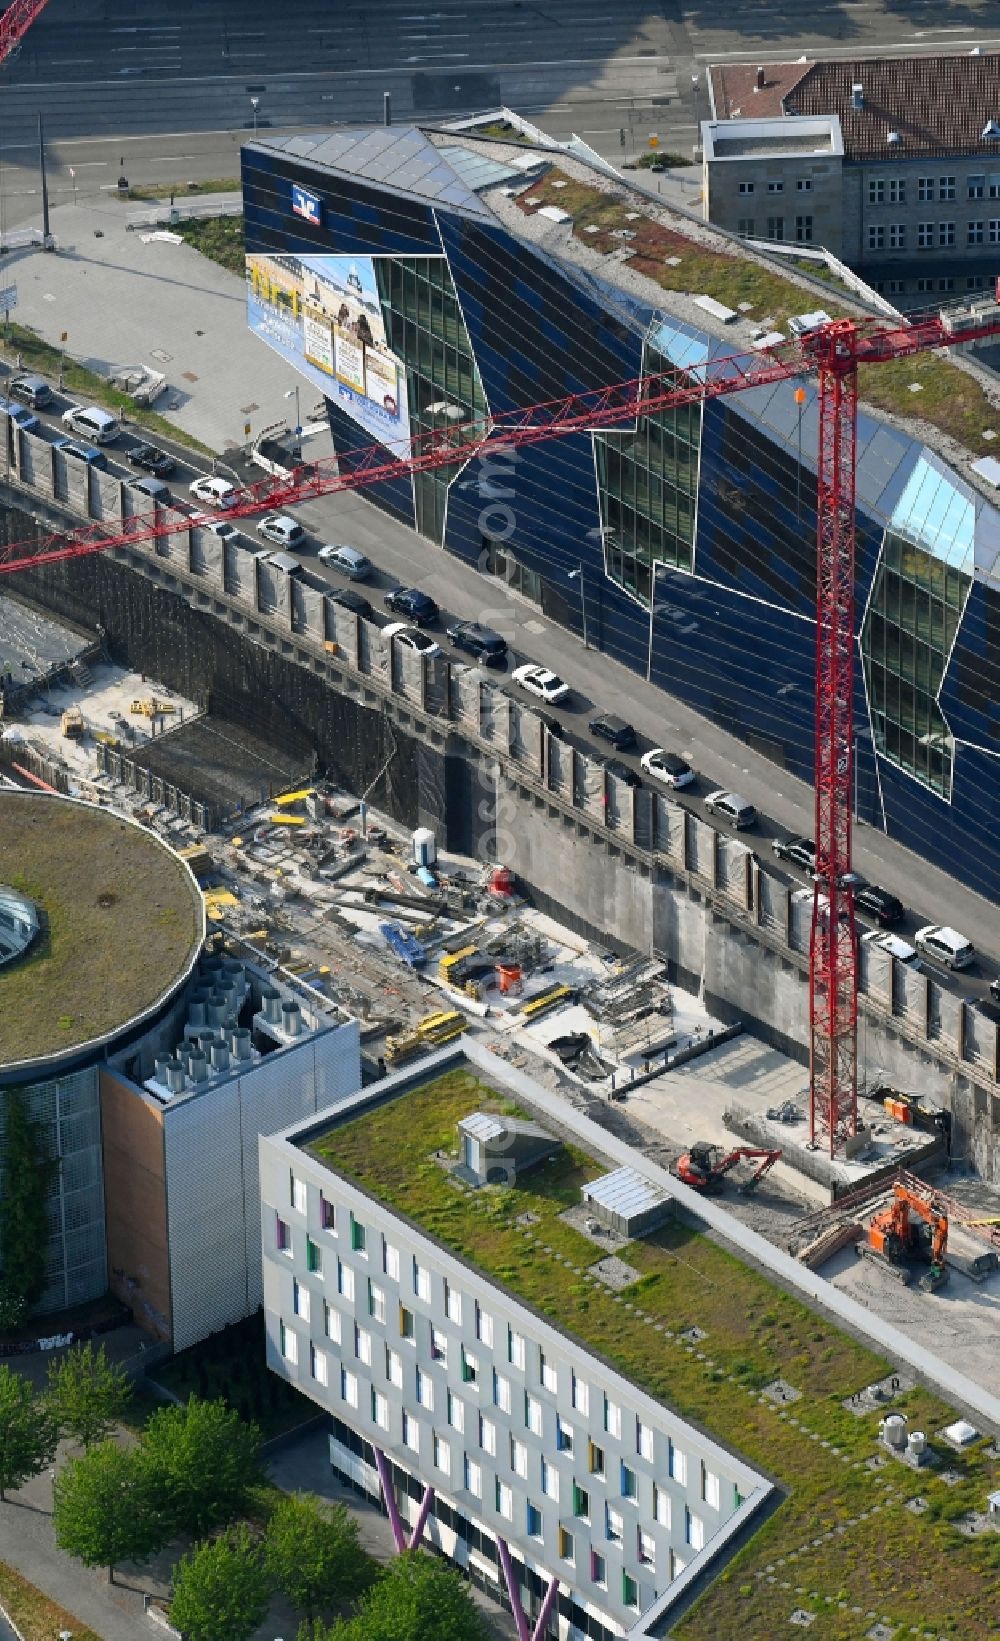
<point x="917" y="601"/>
<point x="424" y="326"/>
<point x="648" y="483"/>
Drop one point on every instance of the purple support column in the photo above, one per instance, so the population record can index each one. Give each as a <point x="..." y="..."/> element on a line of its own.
<point x="538" y="1632"/>
<point x="421" y="1521"/>
<point x="385" y="1482"/>
<point x="513" y="1590"/>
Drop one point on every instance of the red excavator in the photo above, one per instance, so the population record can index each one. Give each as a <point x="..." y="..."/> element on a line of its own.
<point x="897" y="1236"/>
<point x="705" y="1166"/>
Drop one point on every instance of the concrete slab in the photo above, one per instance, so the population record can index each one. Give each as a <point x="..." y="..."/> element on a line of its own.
<point x="126" y="300"/>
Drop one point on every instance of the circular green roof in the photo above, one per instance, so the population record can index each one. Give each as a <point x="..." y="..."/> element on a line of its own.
<point x="121" y="921"/>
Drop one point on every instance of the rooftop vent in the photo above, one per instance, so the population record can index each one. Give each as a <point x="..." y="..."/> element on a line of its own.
<point x="893" y="137"/>
<point x="857" y="95"/>
<point x="760" y="81"/>
<point x="991" y="131"/>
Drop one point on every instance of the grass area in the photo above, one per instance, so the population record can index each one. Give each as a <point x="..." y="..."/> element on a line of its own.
<point x="120" y="920"/>
<point x="231" y="1364"/>
<point x="660" y="159"/>
<point x="37" y="1618"/>
<point x="49" y="360"/>
<point x="949" y="399"/>
<point x="888" y="1564"/>
<point x="178" y="191"/>
<point x="219" y="238"/>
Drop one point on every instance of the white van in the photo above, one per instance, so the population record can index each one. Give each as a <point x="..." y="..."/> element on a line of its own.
<point x="92" y="422"/>
<point x="943" y="945"/>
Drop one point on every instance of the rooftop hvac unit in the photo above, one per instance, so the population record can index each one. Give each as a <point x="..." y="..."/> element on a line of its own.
<point x="240" y="1045"/>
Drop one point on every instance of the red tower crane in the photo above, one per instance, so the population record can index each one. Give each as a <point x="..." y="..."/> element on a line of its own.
<point x="15" y="23"/>
<point x="834" y="351"/>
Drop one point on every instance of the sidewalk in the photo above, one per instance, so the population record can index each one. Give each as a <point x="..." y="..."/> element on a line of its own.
<point x="123" y="301"/>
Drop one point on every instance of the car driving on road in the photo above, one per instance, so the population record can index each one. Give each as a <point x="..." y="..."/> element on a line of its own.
<point x="281" y="529"/>
<point x="411" y="638"/>
<point x="607" y="726"/>
<point x="348" y="599"/>
<point x="798" y="850"/>
<point x="482" y="642"/>
<point x="411" y="603"/>
<point x="21" y="417"/>
<point x="347" y="560"/>
<point x="548" y="686"/>
<point x="151" y="459"/>
<point x="214" y="492"/>
<point x="667" y="767"/>
<point x="879" y="904"/>
<point x="733" y="809"/>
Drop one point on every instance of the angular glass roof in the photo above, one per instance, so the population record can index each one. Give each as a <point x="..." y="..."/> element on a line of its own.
<point x="935" y="515"/>
<point x="395" y="156"/>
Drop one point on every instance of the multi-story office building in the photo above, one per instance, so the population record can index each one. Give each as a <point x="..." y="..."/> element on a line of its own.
<point x="893" y="164"/>
<point x="542" y="1468"/>
<point x="419" y="281"/>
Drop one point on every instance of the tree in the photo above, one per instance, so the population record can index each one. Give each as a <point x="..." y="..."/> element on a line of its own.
<point x="418" y="1599"/>
<point x="28" y="1173"/>
<point x="221" y="1590"/>
<point x="313" y="1555"/>
<point x="204" y="1459"/>
<point x="105" y="1510"/>
<point x="87" y="1394"/>
<point x="27" y="1435"/>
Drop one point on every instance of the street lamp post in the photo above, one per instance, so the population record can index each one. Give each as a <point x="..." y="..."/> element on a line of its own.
<point x="652" y="618"/>
<point x="255" y="104"/>
<point x="577" y="575"/>
<point x="293" y="393"/>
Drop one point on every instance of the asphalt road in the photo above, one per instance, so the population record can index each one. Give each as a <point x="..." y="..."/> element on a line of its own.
<point x="163" y="88"/>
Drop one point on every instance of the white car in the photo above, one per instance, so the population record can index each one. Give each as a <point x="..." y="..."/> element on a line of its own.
<point x="216" y="493"/>
<point x="282" y="530"/>
<point x="667" y="767"/>
<point x="411" y="638"/>
<point x="548" y="686"/>
<point x="901" y="950"/>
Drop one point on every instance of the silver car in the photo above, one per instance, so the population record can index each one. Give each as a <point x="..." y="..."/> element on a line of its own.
<point x="348" y="561"/>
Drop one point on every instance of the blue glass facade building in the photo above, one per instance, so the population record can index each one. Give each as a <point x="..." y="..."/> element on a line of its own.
<point x="695" y="531"/>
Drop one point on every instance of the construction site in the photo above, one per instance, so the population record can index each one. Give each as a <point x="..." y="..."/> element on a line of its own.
<point x="423" y="945"/>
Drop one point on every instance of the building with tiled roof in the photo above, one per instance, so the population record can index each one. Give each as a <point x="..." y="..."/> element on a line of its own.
<point x="905" y="186"/>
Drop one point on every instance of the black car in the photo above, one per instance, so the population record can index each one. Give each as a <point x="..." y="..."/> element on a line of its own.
<point x="799" y="850"/>
<point x="622" y="773"/>
<point x="151" y="460"/>
<point x="410" y="602"/>
<point x="614" y="730"/>
<point x="482" y="642"/>
<point x="348" y="599"/>
<point x="878" y="903"/>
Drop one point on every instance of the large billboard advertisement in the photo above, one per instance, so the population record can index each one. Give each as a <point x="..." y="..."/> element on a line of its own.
<point x="323" y="315"/>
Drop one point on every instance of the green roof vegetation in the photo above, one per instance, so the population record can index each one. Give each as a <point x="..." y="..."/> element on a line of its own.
<point x="219" y="238"/>
<point x="948" y="398"/>
<point x="842" y="1540"/>
<point x="121" y="919"/>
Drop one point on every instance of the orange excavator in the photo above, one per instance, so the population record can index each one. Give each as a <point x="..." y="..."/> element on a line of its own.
<point x="896" y="1235"/>
<point x="705" y="1166"/>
